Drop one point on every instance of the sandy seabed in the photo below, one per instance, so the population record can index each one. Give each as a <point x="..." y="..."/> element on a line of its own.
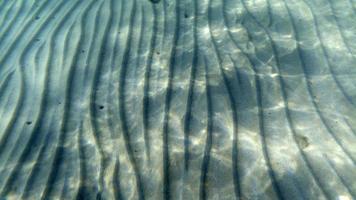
<point x="177" y="99"/>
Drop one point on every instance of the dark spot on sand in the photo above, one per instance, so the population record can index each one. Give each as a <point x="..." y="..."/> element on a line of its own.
<point x="37" y="17"/>
<point x="28" y="122"/>
<point x="302" y="141"/>
<point x="186" y="15"/>
<point x="101" y="107"/>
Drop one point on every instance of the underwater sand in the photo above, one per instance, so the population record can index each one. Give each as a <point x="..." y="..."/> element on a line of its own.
<point x="177" y="99"/>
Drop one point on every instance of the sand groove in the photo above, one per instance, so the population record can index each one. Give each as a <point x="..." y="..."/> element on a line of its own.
<point x="202" y="99"/>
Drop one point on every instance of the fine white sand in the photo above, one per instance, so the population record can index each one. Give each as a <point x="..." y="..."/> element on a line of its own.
<point x="177" y="99"/>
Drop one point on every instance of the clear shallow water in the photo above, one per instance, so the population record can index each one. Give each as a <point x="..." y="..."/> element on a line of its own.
<point x="208" y="99"/>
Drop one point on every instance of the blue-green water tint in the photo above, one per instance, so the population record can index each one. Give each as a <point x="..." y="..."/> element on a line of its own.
<point x="181" y="99"/>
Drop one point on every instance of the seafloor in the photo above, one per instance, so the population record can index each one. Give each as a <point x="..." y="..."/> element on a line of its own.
<point x="177" y="99"/>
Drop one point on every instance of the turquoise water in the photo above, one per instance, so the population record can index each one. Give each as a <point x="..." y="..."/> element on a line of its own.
<point x="177" y="99"/>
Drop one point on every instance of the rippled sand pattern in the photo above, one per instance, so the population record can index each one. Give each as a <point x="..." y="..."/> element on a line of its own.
<point x="177" y="99"/>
